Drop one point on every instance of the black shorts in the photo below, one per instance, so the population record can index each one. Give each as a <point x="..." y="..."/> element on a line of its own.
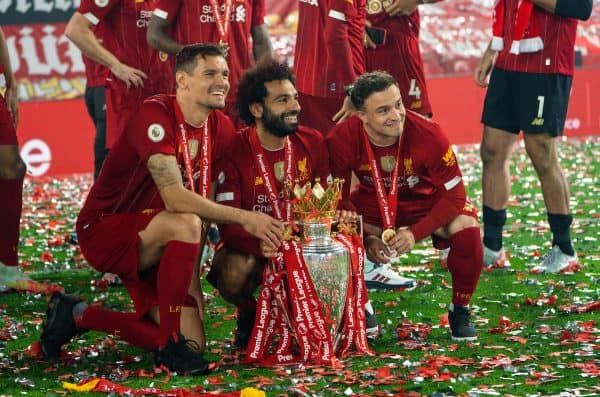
<point x="528" y="102"/>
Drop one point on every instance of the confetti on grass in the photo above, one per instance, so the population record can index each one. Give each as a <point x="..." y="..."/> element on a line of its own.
<point x="538" y="334"/>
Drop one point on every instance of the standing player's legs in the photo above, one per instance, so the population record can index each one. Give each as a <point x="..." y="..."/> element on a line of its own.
<point x="95" y="101"/>
<point x="496" y="148"/>
<point x="401" y="57"/>
<point x="236" y="275"/>
<point x="499" y="135"/>
<point x="465" y="261"/>
<point x="12" y="173"/>
<point x="543" y="105"/>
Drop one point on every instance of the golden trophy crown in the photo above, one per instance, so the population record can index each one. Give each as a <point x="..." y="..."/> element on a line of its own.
<point x="312" y="202"/>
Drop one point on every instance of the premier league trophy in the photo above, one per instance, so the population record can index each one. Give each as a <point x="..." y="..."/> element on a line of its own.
<point x="327" y="259"/>
<point x="311" y="304"/>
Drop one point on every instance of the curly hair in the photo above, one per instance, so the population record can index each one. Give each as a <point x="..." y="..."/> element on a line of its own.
<point x="251" y="88"/>
<point x="369" y="83"/>
<point x="187" y="58"/>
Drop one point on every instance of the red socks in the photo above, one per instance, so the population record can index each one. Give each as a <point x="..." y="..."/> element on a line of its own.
<point x="11" y="200"/>
<point x="465" y="261"/>
<point x="141" y="332"/>
<point x="174" y="277"/>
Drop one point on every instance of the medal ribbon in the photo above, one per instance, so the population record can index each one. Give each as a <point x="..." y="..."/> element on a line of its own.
<point x="267" y="175"/>
<point x="205" y="152"/>
<point x="222" y="24"/>
<point x="387" y="202"/>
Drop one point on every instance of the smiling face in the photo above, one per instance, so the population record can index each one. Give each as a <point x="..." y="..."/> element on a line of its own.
<point x="208" y="83"/>
<point x="280" y="108"/>
<point x="383" y="115"/>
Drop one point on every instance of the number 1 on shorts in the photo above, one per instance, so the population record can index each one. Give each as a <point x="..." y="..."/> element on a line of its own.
<point x="540" y="106"/>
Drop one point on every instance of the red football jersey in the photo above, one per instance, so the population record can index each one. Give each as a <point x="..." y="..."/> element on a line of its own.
<point x="429" y="179"/>
<point x="241" y="183"/>
<point x="125" y="184"/>
<point x="400" y="55"/>
<point x="329" y="50"/>
<point x="194" y="21"/>
<point x="125" y="23"/>
<point x="558" y="35"/>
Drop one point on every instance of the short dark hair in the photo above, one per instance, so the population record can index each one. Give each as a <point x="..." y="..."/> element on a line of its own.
<point x="251" y="88"/>
<point x="369" y="83"/>
<point x="187" y="58"/>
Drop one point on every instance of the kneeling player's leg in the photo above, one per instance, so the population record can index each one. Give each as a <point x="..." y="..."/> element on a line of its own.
<point x="465" y="259"/>
<point x="175" y="239"/>
<point x="130" y="327"/>
<point x="237" y="275"/>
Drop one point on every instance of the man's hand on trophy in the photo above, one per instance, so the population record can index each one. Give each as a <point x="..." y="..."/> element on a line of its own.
<point x="376" y="250"/>
<point x="263" y="227"/>
<point x="402" y="242"/>
<point x="267" y="249"/>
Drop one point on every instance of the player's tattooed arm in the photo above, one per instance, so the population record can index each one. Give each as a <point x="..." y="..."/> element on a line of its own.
<point x="164" y="170"/>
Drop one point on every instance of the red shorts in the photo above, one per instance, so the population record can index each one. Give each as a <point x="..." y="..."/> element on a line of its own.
<point x="111" y="245"/>
<point x="316" y="112"/>
<point x="410" y="214"/>
<point x="8" y="133"/>
<point x="121" y="106"/>
<point x="401" y="57"/>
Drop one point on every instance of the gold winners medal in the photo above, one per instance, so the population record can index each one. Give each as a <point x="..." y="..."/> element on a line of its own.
<point x="387" y="235"/>
<point x="374" y="6"/>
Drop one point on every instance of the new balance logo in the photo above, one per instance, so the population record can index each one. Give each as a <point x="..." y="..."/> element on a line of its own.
<point x="537" y="121"/>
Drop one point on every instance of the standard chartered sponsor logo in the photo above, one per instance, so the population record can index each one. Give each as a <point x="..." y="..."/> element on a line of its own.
<point x="263" y="203"/>
<point x="144" y="20"/>
<point x="239" y="14"/>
